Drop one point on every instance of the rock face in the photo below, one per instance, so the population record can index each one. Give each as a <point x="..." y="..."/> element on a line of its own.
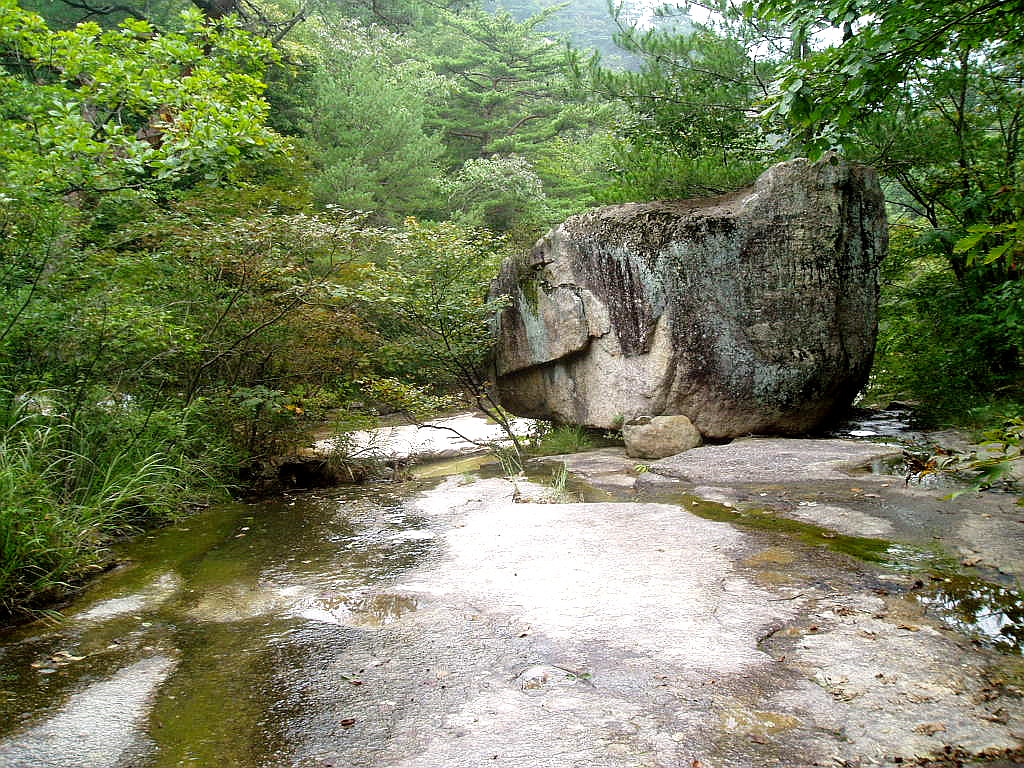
<point x="754" y="312"/>
<point x="657" y="437"/>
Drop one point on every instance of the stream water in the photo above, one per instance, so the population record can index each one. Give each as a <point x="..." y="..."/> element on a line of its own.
<point x="208" y="646"/>
<point x="219" y="624"/>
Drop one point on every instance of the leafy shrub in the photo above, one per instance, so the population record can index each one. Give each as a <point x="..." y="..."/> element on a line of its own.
<point x="504" y="194"/>
<point x="942" y="342"/>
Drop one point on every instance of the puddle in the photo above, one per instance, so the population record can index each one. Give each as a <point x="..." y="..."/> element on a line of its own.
<point x="897" y="557"/>
<point x="468" y="464"/>
<point x="991" y="613"/>
<point x="539" y="677"/>
<point x="756" y="722"/>
<point x="372" y="611"/>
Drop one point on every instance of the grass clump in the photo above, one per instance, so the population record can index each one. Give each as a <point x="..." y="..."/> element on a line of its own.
<point x="72" y="479"/>
<point x="564" y="438"/>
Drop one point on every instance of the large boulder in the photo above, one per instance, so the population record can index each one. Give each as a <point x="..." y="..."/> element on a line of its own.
<point x="754" y="312"/>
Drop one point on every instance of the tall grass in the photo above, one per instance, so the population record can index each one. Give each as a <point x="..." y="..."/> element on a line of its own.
<point x="564" y="438"/>
<point x="71" y="480"/>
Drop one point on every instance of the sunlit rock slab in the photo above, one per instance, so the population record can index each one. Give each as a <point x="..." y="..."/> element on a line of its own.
<point x="445" y="438"/>
<point x="782" y="460"/>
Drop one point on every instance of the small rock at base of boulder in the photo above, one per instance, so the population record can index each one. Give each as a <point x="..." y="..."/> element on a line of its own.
<point x="659" y="436"/>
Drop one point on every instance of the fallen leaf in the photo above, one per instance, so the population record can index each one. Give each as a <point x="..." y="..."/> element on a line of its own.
<point x="348" y="722"/>
<point x="930" y="729"/>
<point x="910" y="627"/>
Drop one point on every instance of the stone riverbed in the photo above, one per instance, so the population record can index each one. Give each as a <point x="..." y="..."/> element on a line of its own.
<point x="766" y="603"/>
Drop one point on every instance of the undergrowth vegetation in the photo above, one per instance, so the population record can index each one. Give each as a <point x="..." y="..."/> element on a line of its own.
<point x="552" y="440"/>
<point x="949" y="346"/>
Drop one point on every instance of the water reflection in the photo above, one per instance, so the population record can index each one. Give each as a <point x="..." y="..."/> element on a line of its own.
<point x="992" y="613"/>
<point x="372" y="611"/>
<point x="379" y="610"/>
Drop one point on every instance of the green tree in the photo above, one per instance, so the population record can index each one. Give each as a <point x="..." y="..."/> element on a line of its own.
<point x="365" y="120"/>
<point x="823" y="92"/>
<point x="437" y="330"/>
<point x="691" y="126"/>
<point x="500" y="193"/>
<point x="509" y="92"/>
<point x="928" y="92"/>
<point x="87" y="111"/>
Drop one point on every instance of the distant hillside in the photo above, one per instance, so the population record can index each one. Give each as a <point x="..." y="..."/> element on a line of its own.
<point x="587" y="23"/>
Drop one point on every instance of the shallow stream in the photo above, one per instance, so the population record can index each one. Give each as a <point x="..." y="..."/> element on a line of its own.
<point x="217" y="622"/>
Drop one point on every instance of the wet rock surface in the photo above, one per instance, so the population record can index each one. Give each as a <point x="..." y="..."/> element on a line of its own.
<point x="445" y="623"/>
<point x="754" y="312"/>
<point x="775" y="460"/>
<point x="841" y="485"/>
